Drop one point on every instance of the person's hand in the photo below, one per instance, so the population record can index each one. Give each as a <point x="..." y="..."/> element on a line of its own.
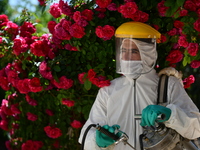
<point x="151" y="112"/>
<point x="103" y="140"/>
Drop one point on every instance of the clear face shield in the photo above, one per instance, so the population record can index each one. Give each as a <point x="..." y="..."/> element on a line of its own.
<point x="135" y="56"/>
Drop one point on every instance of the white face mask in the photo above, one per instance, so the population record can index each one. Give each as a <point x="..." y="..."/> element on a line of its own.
<point x="131" y="69"/>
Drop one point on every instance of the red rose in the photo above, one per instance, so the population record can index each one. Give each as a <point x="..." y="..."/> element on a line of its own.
<point x="77" y="16"/>
<point x="183" y="13"/>
<point x="76" y="124"/>
<point x="31" y="145"/>
<point x="20" y="46"/>
<point x="87" y="14"/>
<point x="27" y="29"/>
<point x="103" y="3"/>
<point x="4" y="83"/>
<point x="105" y="32"/>
<point x="162" y="8"/>
<point x="31" y="101"/>
<point x="174" y="56"/>
<point x="49" y="112"/>
<point x="197" y="25"/>
<point x="70" y="48"/>
<point x="67" y="102"/>
<point x="91" y="74"/>
<point x="128" y="9"/>
<point x="193" y="48"/>
<point x="65" y="8"/>
<point x="31" y="116"/>
<point x="190" y="5"/>
<point x="4" y="125"/>
<point x="81" y="77"/>
<point x="195" y="64"/>
<point x="188" y="81"/>
<point x="182" y="41"/>
<point x="12" y="28"/>
<point x="35" y="85"/>
<point x="3" y="20"/>
<point x="77" y="31"/>
<point x="55" y="10"/>
<point x="40" y="48"/>
<point x="63" y="83"/>
<point x="178" y="24"/>
<point x="23" y="86"/>
<point x="112" y="7"/>
<point x="173" y="32"/>
<point x="14" y="108"/>
<point x="51" y="25"/>
<point x="163" y="38"/>
<point x="61" y="33"/>
<point x="103" y="83"/>
<point x="143" y="16"/>
<point x="52" y="132"/>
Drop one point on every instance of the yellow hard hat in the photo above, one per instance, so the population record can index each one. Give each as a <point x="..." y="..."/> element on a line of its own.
<point x="134" y="29"/>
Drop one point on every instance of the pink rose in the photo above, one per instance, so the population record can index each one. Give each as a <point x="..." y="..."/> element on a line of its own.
<point x="53" y="132"/>
<point x="67" y="102"/>
<point x="31" y="116"/>
<point x="76" y="124"/>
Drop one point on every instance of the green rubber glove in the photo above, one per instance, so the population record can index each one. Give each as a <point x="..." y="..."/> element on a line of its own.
<point x="103" y="140"/>
<point x="151" y="112"/>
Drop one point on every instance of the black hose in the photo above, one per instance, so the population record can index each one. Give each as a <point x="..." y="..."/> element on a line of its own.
<point x="85" y="134"/>
<point x="141" y="143"/>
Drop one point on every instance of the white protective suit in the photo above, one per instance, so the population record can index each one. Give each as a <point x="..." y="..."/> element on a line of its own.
<point x="125" y="99"/>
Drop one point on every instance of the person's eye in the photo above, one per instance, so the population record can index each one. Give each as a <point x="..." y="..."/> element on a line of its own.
<point x="135" y="51"/>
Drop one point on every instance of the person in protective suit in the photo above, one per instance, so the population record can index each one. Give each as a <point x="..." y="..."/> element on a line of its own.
<point x="135" y="94"/>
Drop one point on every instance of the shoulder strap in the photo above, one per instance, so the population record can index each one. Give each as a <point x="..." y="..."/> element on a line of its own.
<point x="162" y="89"/>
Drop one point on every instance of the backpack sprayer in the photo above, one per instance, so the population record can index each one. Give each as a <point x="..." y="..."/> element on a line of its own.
<point x="157" y="137"/>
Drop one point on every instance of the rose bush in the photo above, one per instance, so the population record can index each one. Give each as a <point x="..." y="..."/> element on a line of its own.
<point x="51" y="79"/>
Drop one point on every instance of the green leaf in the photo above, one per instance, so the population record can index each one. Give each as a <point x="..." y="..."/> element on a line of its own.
<point x="87" y="84"/>
<point x="57" y="68"/>
<point x="180" y="2"/>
